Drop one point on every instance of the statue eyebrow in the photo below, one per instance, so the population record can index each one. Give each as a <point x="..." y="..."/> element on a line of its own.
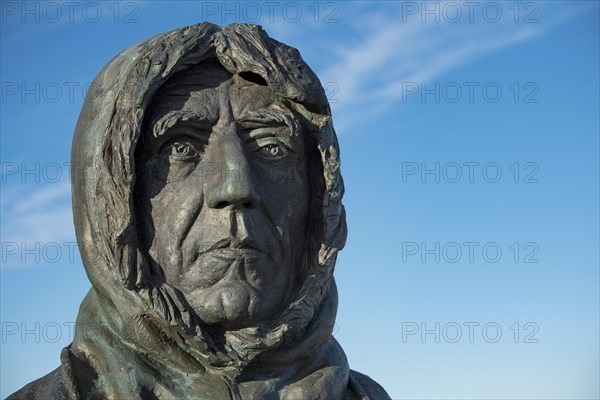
<point x="259" y="123"/>
<point x="172" y="118"/>
<point x="270" y="118"/>
<point x="264" y="132"/>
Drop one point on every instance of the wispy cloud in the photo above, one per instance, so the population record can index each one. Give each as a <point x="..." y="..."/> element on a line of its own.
<point x="370" y="70"/>
<point x="32" y="220"/>
<point x="41" y="198"/>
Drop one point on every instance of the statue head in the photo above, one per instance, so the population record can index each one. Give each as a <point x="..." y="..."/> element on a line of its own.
<point x="206" y="189"/>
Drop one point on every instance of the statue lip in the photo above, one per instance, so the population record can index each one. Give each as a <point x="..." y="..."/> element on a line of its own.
<point x="246" y="244"/>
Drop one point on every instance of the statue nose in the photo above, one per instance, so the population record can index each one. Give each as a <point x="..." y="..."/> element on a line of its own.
<point x="230" y="186"/>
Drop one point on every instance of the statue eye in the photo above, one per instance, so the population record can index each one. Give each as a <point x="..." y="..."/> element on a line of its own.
<point x="272" y="151"/>
<point x="183" y="150"/>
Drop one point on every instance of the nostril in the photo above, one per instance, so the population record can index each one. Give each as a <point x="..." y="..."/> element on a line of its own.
<point x="221" y="204"/>
<point x="235" y="204"/>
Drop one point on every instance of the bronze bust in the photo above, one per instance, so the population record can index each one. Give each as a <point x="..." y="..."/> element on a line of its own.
<point x="207" y="205"/>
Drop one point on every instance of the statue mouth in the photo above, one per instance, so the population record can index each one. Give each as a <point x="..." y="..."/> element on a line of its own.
<point x="230" y="249"/>
<point x="233" y="244"/>
<point x="229" y="255"/>
<point x="230" y="260"/>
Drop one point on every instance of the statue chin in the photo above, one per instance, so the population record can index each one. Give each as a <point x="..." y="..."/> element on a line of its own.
<point x="232" y="305"/>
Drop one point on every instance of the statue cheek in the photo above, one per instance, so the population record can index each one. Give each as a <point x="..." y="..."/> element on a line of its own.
<point x="163" y="170"/>
<point x="174" y="210"/>
<point x="295" y="193"/>
<point x="285" y="198"/>
<point x="285" y="178"/>
<point x="180" y="170"/>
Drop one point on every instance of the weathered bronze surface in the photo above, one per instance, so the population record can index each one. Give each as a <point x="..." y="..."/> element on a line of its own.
<point x="207" y="204"/>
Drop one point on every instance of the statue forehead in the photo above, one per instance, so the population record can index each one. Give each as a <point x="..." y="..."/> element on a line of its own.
<point x="203" y="89"/>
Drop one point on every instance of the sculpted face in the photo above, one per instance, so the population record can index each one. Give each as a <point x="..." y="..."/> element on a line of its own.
<point x="223" y="194"/>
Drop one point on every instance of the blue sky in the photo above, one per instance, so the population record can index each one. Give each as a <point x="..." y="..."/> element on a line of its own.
<point x="470" y="153"/>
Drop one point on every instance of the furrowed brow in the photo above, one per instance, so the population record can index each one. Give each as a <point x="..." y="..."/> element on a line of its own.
<point x="170" y="119"/>
<point x="268" y="118"/>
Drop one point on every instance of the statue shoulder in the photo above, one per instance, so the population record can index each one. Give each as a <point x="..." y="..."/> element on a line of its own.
<point x="361" y="387"/>
<point x="50" y="386"/>
<point x="57" y="385"/>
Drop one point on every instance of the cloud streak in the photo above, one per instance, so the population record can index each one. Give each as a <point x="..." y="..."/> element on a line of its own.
<point x="34" y="219"/>
<point x="370" y="71"/>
